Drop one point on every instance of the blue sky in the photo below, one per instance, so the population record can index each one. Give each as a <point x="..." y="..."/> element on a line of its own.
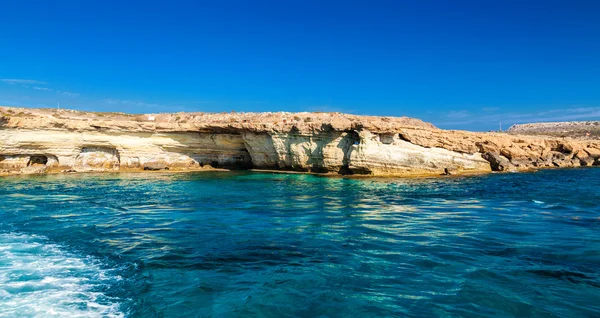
<point x="457" y="64"/>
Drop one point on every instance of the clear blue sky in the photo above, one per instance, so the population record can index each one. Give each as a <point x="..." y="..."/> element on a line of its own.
<point x="458" y="64"/>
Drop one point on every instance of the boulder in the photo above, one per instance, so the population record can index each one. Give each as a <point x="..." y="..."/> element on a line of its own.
<point x="487" y="146"/>
<point x="593" y="152"/>
<point x="584" y="158"/>
<point x="563" y="160"/>
<point x="498" y="162"/>
<point x="514" y="153"/>
<point x="155" y="165"/>
<point x="565" y="147"/>
<point x="33" y="170"/>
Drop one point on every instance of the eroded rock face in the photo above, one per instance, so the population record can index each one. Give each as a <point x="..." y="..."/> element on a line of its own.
<point x="310" y="142"/>
<point x="20" y="161"/>
<point x="321" y="152"/>
<point x="387" y="154"/>
<point x="97" y="159"/>
<point x="14" y="161"/>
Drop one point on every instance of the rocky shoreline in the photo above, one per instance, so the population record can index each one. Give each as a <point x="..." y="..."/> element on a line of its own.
<point x="47" y="140"/>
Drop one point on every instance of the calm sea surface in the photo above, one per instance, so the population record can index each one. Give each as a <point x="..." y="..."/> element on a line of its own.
<point x="273" y="245"/>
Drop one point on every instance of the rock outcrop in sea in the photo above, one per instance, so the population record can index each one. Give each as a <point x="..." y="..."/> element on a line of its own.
<point x="47" y="140"/>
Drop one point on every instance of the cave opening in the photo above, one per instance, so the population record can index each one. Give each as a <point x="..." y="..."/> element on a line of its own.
<point x="38" y="160"/>
<point x="351" y="139"/>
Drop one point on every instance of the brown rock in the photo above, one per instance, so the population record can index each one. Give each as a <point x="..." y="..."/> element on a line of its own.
<point x="584" y="158"/>
<point x="498" y="162"/>
<point x="565" y="147"/>
<point x="155" y="165"/>
<point x="593" y="152"/>
<point x="33" y="170"/>
<point x="514" y="153"/>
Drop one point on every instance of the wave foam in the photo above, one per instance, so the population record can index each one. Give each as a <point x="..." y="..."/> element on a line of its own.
<point x="39" y="279"/>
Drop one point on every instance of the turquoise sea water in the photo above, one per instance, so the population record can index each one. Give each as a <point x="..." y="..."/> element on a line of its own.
<point x="273" y="245"/>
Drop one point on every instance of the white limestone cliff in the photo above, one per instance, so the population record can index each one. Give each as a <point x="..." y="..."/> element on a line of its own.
<point x="37" y="141"/>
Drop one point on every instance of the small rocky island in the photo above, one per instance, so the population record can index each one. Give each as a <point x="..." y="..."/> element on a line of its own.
<point x="49" y="140"/>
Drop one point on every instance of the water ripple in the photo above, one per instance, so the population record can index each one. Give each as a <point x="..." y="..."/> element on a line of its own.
<point x="273" y="245"/>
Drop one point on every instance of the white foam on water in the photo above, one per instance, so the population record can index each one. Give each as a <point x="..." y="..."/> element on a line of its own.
<point x="41" y="279"/>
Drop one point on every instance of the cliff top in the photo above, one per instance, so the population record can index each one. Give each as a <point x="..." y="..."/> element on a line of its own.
<point x="411" y="129"/>
<point x="46" y="118"/>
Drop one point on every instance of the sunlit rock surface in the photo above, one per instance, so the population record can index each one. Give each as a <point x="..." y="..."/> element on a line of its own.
<point x="333" y="143"/>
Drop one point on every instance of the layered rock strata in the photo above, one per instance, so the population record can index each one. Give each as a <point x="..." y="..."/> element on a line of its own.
<point x="45" y="140"/>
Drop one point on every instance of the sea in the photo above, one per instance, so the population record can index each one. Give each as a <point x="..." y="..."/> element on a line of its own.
<point x="248" y="244"/>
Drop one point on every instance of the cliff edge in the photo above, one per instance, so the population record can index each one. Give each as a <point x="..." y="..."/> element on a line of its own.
<point x="48" y="140"/>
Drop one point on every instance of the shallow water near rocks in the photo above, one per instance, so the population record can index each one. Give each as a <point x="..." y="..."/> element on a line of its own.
<point x="273" y="245"/>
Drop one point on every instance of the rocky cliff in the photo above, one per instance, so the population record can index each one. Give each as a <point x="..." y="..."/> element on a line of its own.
<point x="45" y="140"/>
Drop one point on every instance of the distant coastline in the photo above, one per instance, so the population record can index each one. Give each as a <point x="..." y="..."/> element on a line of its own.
<point x="574" y="129"/>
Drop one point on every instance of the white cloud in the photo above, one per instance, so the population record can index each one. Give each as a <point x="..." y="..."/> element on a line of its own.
<point x="127" y="102"/>
<point x="490" y="109"/>
<point x="69" y="94"/>
<point x="7" y="102"/>
<point x="457" y="114"/>
<point x="21" y="81"/>
<point x="43" y="88"/>
<point x="40" y="88"/>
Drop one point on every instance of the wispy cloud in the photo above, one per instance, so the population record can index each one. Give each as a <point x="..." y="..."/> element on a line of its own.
<point x="40" y="88"/>
<point x="69" y="94"/>
<point x="24" y="101"/>
<point x="13" y="81"/>
<point x="490" y="109"/>
<point x="8" y="102"/>
<point x="128" y="102"/>
<point x="43" y="89"/>
<point x="457" y="114"/>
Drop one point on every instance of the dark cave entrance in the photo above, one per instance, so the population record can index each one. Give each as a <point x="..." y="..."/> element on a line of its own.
<point x="38" y="160"/>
